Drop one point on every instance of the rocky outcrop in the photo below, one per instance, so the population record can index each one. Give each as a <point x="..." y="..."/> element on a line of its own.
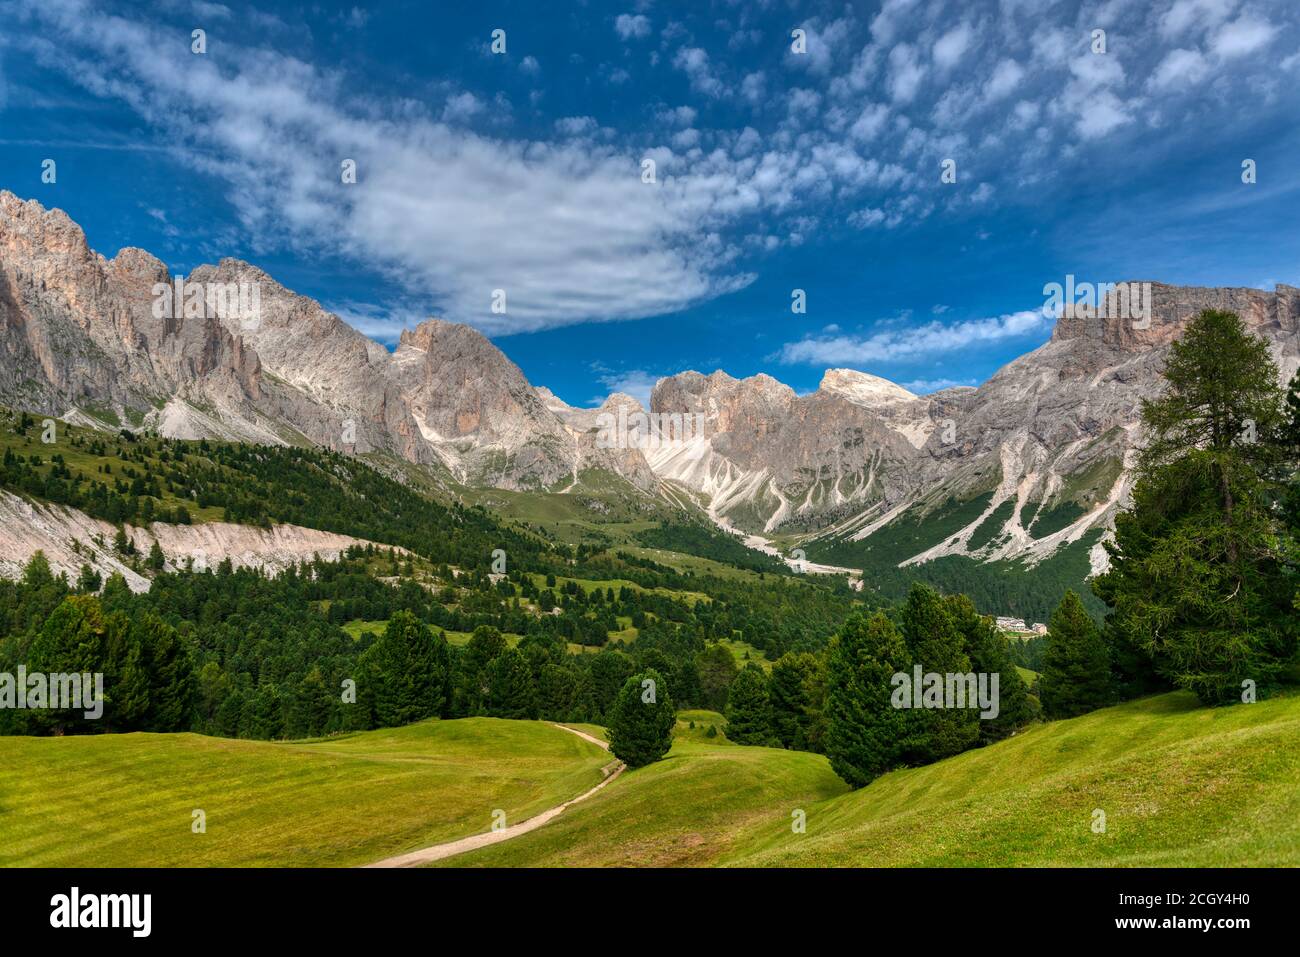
<point x="1054" y="429"/>
<point x="69" y="539"/>
<point x="81" y="338"/>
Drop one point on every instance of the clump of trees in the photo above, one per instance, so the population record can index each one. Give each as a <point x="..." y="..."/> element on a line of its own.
<point x="1203" y="575"/>
<point x="867" y="733"/>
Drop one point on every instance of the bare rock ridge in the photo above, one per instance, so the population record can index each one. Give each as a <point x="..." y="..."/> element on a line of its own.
<point x="1042" y="447"/>
<point x="26" y="528"/>
<point x="1045" y="443"/>
<point x="79" y="339"/>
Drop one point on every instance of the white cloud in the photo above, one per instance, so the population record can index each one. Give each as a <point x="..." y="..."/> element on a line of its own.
<point x="635" y="382"/>
<point x="694" y="62"/>
<point x="870" y="122"/>
<point x="905" y="73"/>
<point x="803" y="103"/>
<point x="926" y="386"/>
<point x="446" y="214"/>
<point x="1101" y="114"/>
<point x="1178" y="70"/>
<point x="932" y="338"/>
<point x="952" y="46"/>
<point x="1006" y="77"/>
<point x="461" y="107"/>
<point x="576" y="125"/>
<point x="686" y="139"/>
<point x="1242" y="36"/>
<point x="821" y="43"/>
<point x="381" y="323"/>
<point x="1188" y="16"/>
<point x="632" y="26"/>
<point x="678" y="116"/>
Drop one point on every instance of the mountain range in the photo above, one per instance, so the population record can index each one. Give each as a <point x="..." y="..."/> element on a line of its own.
<point x="860" y="471"/>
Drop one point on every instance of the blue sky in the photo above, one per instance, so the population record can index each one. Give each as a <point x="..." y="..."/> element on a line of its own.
<point x="775" y="170"/>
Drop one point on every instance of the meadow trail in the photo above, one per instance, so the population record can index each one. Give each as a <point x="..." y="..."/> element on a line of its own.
<point x="440" y="851"/>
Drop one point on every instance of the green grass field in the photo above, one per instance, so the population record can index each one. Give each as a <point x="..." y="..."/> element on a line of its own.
<point x="126" y="800"/>
<point x="699" y="805"/>
<point x="1180" y="785"/>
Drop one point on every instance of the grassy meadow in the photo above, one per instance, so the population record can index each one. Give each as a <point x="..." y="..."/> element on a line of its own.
<point x="1179" y="784"/>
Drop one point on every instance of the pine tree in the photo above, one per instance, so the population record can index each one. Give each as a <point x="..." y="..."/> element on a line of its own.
<point x="556" y="687"/>
<point x="986" y="647"/>
<point x="36" y="573"/>
<point x="126" y="677"/>
<point x="717" y="669"/>
<point x="641" y="721"/>
<point x="406" y="671"/>
<point x="510" y="687"/>
<point x="157" y="560"/>
<point x="934" y="643"/>
<point x="73" y="640"/>
<point x="88" y="580"/>
<point x="797" y="692"/>
<point x="864" y="731"/>
<point x="749" y="718"/>
<point x="1200" y="583"/>
<point x="1076" y="666"/>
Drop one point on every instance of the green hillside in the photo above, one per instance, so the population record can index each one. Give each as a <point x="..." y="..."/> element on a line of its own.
<point x="126" y="800"/>
<point x="1180" y="785"/>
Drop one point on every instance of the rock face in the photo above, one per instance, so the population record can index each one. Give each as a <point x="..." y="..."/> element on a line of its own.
<point x="80" y="338"/>
<point x="1047" y="439"/>
<point x="1042" y="446"/>
<point x="26" y="529"/>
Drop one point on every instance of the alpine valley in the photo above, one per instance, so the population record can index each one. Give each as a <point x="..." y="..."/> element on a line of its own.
<point x="1004" y="491"/>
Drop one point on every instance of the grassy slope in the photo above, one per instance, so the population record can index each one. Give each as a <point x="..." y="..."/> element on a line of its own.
<point x="126" y="800"/>
<point x="688" y="809"/>
<point x="1180" y="785"/>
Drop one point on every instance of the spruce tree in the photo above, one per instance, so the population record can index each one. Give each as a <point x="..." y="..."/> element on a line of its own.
<point x="796" y="691"/>
<point x="934" y="643"/>
<point x="483" y="647"/>
<point x="864" y="731"/>
<point x="986" y="647"/>
<point x="1076" y="666"/>
<point x="1200" y="581"/>
<point x="749" y="718"/>
<point x="511" y="693"/>
<point x="88" y="580"/>
<point x="405" y="670"/>
<point x="73" y="640"/>
<point x="127" y="679"/>
<point x="717" y="668"/>
<point x="173" y="685"/>
<point x="641" y="721"/>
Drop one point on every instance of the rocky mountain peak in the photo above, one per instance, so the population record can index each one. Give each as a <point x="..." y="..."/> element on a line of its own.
<point x="863" y="388"/>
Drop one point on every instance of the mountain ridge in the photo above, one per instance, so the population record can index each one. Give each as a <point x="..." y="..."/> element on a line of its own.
<point x="1043" y="447"/>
